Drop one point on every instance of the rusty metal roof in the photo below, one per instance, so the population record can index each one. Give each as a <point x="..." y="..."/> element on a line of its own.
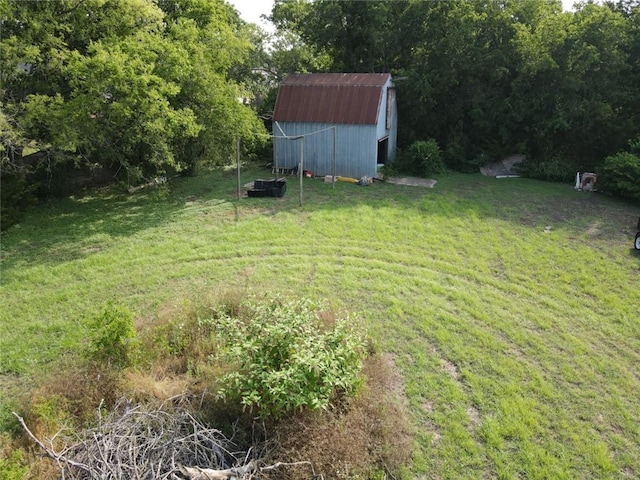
<point x="351" y="98"/>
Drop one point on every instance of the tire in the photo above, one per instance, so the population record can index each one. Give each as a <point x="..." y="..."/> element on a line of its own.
<point x="637" y="242"/>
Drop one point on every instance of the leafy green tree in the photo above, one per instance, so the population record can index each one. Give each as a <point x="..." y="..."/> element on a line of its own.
<point x="354" y="35"/>
<point x="218" y="46"/>
<point x="141" y="87"/>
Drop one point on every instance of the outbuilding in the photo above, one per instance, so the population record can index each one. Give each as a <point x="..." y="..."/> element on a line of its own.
<point x="347" y="123"/>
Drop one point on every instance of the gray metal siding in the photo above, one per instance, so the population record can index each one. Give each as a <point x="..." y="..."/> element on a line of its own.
<point x="382" y="131"/>
<point x="356" y="148"/>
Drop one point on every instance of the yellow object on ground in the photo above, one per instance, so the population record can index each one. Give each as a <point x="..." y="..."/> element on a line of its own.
<point x="347" y="179"/>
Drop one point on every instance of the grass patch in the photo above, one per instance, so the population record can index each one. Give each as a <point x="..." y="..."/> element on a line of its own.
<point x="510" y="306"/>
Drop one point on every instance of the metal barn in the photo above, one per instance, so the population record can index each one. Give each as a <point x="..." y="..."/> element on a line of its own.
<point x="361" y="107"/>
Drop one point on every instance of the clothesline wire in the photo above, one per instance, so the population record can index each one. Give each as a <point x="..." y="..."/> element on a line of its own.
<point x="293" y="137"/>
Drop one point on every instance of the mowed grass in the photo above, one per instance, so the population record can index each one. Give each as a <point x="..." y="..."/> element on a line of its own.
<point x="512" y="307"/>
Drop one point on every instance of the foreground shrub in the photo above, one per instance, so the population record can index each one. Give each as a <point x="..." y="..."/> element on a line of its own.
<point x="621" y="175"/>
<point x="371" y="439"/>
<point x="287" y="356"/>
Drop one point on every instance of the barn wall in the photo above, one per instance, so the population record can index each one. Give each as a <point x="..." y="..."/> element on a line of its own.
<point x="392" y="131"/>
<point x="356" y="148"/>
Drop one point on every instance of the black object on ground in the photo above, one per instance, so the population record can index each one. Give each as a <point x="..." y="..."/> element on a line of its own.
<point x="268" y="188"/>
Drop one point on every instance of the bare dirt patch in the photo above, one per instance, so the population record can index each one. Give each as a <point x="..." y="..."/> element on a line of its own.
<point x="474" y="416"/>
<point x="412" y="181"/>
<point x="450" y="368"/>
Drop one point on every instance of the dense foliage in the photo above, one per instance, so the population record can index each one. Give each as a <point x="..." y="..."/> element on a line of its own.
<point x="286" y="356"/>
<point x="621" y="175"/>
<point x="491" y="78"/>
<point x="120" y="88"/>
<point x="112" y="337"/>
<point x="422" y="158"/>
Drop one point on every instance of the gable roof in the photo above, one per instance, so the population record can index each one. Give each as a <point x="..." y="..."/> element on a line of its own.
<point x="351" y="98"/>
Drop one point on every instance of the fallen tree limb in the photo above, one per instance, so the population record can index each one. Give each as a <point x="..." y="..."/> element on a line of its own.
<point x="239" y="473"/>
<point x="58" y="457"/>
<point x="141" y="442"/>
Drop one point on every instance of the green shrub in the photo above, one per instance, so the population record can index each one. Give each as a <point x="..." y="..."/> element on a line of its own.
<point x="13" y="466"/>
<point x="621" y="175"/>
<point x="287" y="357"/>
<point x="455" y="155"/>
<point x="112" y="338"/>
<point x="553" y="169"/>
<point x="422" y="158"/>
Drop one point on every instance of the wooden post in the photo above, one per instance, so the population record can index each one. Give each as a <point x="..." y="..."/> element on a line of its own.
<point x="275" y="157"/>
<point x="333" y="176"/>
<point x="301" y="169"/>
<point x="238" y="166"/>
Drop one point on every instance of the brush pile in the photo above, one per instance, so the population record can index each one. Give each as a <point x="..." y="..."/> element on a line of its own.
<point x="138" y="442"/>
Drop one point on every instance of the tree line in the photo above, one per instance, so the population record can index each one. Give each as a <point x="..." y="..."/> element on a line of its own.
<point x="488" y="78"/>
<point x="136" y="89"/>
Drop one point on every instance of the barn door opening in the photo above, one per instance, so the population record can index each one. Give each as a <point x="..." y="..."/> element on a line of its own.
<point x="383" y="147"/>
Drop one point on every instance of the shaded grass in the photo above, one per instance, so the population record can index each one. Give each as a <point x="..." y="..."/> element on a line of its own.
<point x="511" y="306"/>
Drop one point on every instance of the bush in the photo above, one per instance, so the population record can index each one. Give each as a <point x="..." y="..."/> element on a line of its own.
<point x="112" y="338"/>
<point x="621" y="175"/>
<point x="13" y="465"/>
<point x="286" y="357"/>
<point x="455" y="155"/>
<point x="422" y="158"/>
<point x="553" y="169"/>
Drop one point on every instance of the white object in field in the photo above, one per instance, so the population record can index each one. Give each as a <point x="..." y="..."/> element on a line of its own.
<point x="577" y="187"/>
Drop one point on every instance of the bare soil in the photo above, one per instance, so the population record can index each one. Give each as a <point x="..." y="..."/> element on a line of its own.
<point x="412" y="181"/>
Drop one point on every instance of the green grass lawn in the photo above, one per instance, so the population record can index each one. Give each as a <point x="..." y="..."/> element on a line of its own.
<point x="512" y="306"/>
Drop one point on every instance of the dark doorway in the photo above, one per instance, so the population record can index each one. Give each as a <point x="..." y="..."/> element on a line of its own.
<point x="383" y="147"/>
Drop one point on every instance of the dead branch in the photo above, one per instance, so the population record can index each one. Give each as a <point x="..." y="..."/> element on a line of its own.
<point x="196" y="473"/>
<point x="58" y="457"/>
<point x="245" y="472"/>
<point x="293" y="464"/>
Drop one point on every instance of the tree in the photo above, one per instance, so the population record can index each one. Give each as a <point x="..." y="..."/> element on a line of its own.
<point x="142" y="87"/>
<point x="353" y="34"/>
